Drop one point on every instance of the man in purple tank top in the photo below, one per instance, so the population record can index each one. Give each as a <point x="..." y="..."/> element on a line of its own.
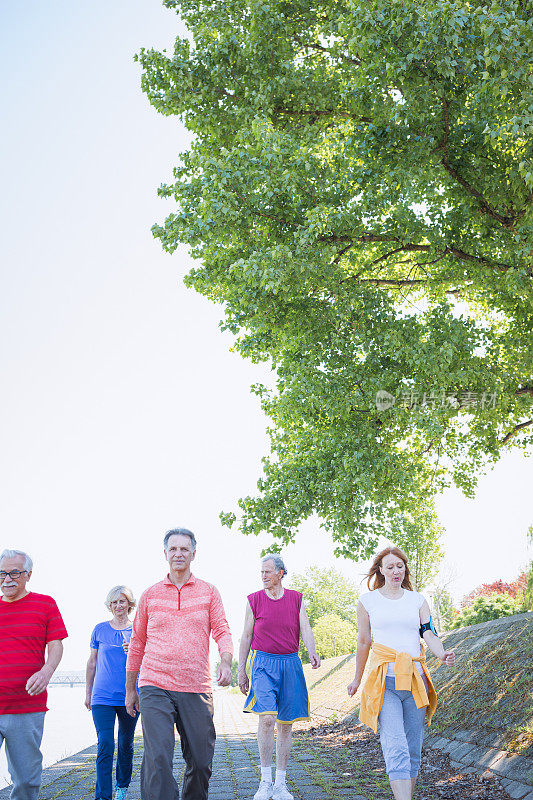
<point x="275" y="619"/>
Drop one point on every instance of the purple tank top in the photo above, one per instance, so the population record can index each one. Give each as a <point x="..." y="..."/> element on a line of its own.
<point x="277" y="622"/>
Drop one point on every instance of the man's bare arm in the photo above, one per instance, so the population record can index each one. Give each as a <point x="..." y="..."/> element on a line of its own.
<point x="244" y="648"/>
<point x="38" y="682"/>
<point x="308" y="638"/>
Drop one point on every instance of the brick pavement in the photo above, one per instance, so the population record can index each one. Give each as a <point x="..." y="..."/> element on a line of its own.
<point x="318" y="770"/>
<point x="235" y="766"/>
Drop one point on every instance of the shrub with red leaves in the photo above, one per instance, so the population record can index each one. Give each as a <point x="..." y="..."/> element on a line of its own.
<point x="515" y="589"/>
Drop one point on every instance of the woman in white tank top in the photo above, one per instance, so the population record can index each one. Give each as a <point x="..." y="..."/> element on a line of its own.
<point x="390" y="616"/>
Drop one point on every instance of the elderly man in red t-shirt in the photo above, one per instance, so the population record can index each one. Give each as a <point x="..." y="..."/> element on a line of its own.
<point x="30" y="623"/>
<point x="275" y="619"/>
<point x="169" y="651"/>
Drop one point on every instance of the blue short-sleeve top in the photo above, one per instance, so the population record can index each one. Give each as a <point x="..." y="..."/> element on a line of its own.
<point x="109" y="687"/>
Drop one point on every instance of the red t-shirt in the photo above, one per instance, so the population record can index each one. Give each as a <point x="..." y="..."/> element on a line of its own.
<point x="26" y="627"/>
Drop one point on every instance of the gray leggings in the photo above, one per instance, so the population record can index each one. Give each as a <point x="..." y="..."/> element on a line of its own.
<point x="401" y="731"/>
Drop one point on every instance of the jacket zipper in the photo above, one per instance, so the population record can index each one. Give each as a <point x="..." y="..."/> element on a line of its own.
<point x="179" y="599"/>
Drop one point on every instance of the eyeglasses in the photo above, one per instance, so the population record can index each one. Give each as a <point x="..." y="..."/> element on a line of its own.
<point x="14" y="574"/>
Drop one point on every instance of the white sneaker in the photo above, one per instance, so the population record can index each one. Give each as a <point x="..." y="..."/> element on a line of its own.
<point x="281" y="792"/>
<point x="265" y="791"/>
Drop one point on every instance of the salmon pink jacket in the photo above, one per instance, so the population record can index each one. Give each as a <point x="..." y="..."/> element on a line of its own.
<point x="171" y="630"/>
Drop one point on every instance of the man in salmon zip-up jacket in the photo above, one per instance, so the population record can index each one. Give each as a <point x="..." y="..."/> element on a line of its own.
<point x="169" y="653"/>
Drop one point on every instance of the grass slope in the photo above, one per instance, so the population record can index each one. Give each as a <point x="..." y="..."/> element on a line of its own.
<point x="489" y="690"/>
<point x="491" y="687"/>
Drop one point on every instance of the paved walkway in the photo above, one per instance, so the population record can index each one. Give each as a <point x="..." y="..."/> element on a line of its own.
<point x="331" y="762"/>
<point x="235" y="765"/>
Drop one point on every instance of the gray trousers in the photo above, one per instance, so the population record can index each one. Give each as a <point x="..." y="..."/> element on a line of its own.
<point x="192" y="714"/>
<point x="401" y="732"/>
<point x="22" y="734"/>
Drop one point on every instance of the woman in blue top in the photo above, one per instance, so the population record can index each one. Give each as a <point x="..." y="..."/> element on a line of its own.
<point x="106" y="694"/>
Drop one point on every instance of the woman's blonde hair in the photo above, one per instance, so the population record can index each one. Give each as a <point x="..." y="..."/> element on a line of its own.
<point x="374" y="575"/>
<point x="114" y="594"/>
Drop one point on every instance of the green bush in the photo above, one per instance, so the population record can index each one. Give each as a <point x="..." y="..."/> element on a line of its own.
<point x="334" y="636"/>
<point x="484" y="609"/>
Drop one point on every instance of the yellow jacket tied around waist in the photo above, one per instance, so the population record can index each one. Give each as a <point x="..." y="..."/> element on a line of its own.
<point x="407" y="678"/>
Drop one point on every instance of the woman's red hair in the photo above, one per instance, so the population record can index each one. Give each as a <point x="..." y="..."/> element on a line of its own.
<point x="375" y="575"/>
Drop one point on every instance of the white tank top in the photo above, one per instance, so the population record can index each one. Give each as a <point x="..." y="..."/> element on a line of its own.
<point x="395" y="623"/>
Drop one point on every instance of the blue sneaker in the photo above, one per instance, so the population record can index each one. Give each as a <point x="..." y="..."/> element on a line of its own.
<point x="121" y="792"/>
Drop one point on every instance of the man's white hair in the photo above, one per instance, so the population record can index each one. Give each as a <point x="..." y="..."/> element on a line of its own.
<point x="28" y="563"/>
<point x="278" y="562"/>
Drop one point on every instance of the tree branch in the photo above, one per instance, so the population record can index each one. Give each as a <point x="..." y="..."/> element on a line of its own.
<point x="516" y="429"/>
<point x="364" y="237"/>
<point x="458" y="253"/>
<point x="322" y="49"/>
<point x="456" y="292"/>
<point x="411" y="247"/>
<point x="408" y="248"/>
<point x="393" y="283"/>
<point x="506" y="220"/>
<point x="326" y="112"/>
<point x="342" y="252"/>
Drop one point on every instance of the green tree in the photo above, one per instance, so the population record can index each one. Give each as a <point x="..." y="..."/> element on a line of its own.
<point x="334" y="636"/>
<point x="358" y="196"/>
<point x="444" y="608"/>
<point x="420" y="539"/>
<point x="326" y="591"/>
<point x="484" y="609"/>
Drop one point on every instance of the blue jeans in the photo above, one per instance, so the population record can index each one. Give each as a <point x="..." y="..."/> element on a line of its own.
<point x="401" y="731"/>
<point x="104" y="722"/>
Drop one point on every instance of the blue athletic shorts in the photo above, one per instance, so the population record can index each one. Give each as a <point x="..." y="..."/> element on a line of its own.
<point x="277" y="686"/>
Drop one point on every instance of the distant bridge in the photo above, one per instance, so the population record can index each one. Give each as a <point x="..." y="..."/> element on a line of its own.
<point x="68" y="679"/>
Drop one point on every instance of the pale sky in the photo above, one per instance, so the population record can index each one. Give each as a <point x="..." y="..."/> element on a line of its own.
<point x="124" y="412"/>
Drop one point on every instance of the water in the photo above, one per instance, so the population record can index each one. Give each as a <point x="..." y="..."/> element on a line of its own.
<point x="68" y="728"/>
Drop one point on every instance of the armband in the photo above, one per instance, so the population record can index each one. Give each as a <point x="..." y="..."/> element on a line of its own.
<point x="427" y="626"/>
